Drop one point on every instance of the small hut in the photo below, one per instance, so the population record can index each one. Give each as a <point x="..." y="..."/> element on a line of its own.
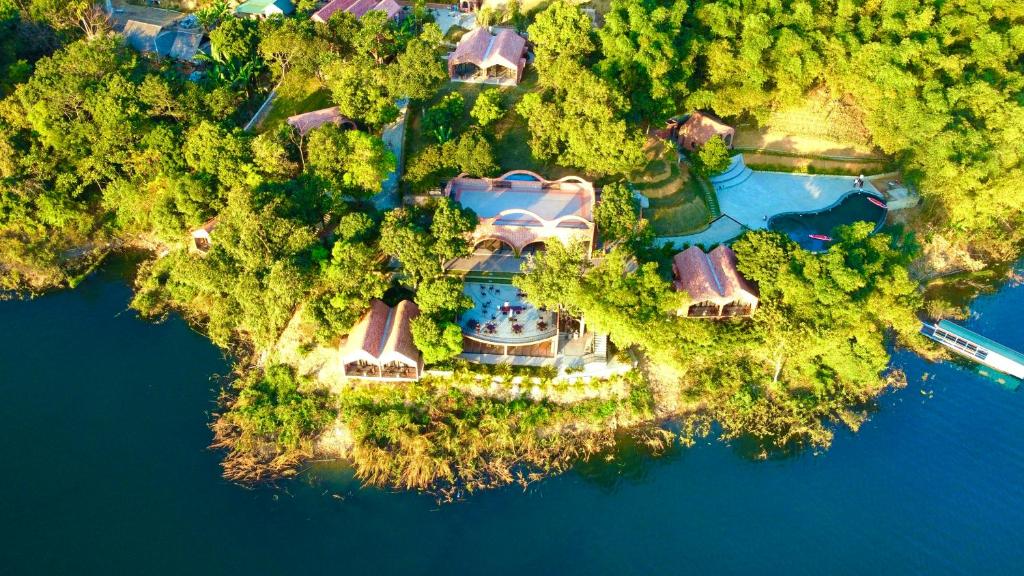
<point x="317" y="118"/>
<point x="697" y="129"/>
<point x="202" y="240"/>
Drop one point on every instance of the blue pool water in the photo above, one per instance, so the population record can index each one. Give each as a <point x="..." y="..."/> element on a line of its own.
<point x="105" y="471"/>
<point x="852" y="207"/>
<point x="521" y="177"/>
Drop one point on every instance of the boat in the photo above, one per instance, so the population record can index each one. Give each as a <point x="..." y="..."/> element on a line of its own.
<point x="821" y="237"/>
<point x="877" y="202"/>
<point x="976" y="347"/>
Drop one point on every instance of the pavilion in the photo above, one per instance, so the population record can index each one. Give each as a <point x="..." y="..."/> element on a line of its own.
<point x="485" y="58"/>
<point x="202" y="240"/>
<point x="715" y="287"/>
<point x="380" y="346"/>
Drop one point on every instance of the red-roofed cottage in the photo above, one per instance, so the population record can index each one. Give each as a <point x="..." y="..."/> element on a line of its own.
<point x="380" y="346"/>
<point x="698" y="129"/>
<point x="482" y="57"/>
<point x="715" y="287"/>
<point x="357" y="8"/>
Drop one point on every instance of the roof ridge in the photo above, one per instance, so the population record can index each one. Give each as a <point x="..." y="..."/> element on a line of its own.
<point x="714" y="272"/>
<point x="385" y="332"/>
<point x="490" y="44"/>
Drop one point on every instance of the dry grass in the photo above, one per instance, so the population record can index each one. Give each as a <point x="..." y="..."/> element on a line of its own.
<point x="822" y="125"/>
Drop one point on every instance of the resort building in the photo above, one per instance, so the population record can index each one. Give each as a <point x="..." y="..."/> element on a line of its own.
<point x="380" y="347"/>
<point x="490" y="59"/>
<point x="265" y="8"/>
<point x="695" y="130"/>
<point x="202" y="241"/>
<point x="520" y="212"/>
<point x="715" y="287"/>
<point x="317" y="118"/>
<point x="470" y="5"/>
<point x="357" y="8"/>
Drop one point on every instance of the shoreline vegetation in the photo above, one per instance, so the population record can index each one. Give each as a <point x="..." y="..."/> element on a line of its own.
<point x="104" y="149"/>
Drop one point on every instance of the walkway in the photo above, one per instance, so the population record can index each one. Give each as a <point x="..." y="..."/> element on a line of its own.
<point x="393" y="136"/>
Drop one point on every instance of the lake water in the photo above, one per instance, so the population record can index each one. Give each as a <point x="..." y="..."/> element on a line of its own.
<point x="104" y="470"/>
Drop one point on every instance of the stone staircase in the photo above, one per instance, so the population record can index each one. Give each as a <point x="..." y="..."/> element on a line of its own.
<point x="601" y="346"/>
<point x="736" y="174"/>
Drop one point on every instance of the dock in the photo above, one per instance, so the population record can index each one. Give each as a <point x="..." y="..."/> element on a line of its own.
<point x="976" y="347"/>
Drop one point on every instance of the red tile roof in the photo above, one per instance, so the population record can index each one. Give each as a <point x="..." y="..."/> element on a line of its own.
<point x="357" y="8"/>
<point x="701" y="127"/>
<point x="479" y="47"/>
<point x="382" y="335"/>
<point x="711" y="277"/>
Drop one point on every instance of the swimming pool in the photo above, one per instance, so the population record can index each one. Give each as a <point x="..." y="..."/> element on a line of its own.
<point x="853" y="207"/>
<point x="522" y="177"/>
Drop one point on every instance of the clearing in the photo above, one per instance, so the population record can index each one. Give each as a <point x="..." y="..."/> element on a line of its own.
<point x="295" y="96"/>
<point x="821" y="126"/>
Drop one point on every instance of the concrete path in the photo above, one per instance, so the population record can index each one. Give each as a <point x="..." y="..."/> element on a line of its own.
<point x="723" y="229"/>
<point x="394" y="138"/>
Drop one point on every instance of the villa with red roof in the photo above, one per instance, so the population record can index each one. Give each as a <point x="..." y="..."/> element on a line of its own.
<point x="380" y="346"/>
<point x="357" y="8"/>
<point x="485" y="58"/>
<point x="715" y="287"/>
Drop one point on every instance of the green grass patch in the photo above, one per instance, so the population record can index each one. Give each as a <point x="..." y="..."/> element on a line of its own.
<point x="296" y="97"/>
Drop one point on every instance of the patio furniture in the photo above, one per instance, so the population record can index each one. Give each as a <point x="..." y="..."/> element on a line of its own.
<point x="542" y="325"/>
<point x="517" y="328"/>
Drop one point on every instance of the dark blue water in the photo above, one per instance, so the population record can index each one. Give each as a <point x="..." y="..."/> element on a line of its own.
<point x="854" y="207"/>
<point x="104" y="471"/>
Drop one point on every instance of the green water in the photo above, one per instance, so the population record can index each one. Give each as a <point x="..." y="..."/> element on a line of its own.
<point x="105" y="470"/>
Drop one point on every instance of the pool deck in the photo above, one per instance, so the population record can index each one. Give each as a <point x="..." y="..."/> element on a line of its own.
<point x="766" y="194"/>
<point x="761" y="195"/>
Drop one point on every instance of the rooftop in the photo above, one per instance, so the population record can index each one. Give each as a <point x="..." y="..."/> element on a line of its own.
<point x="357" y="8"/>
<point x="710" y="277"/>
<point x="521" y="190"/>
<point x="383" y="335"/>
<point x="260" y="6"/>
<point x="317" y="118"/>
<point x="479" y="47"/>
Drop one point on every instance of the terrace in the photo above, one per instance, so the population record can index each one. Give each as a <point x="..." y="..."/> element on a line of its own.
<point x="502" y="316"/>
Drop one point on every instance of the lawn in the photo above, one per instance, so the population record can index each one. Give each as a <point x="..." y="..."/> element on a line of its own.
<point x="295" y="97"/>
<point x="677" y="205"/>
